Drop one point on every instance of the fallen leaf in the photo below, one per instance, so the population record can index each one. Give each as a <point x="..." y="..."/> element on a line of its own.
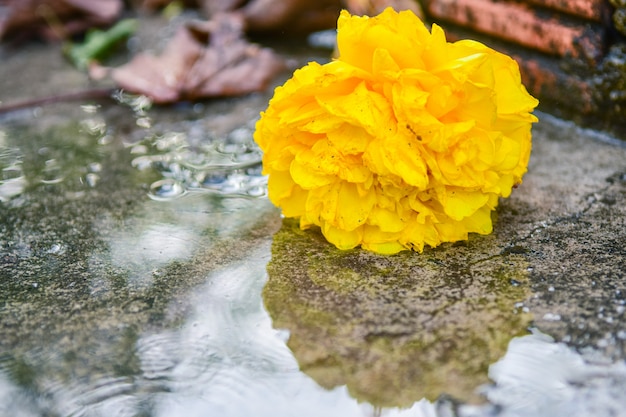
<point x="98" y="43"/>
<point x="55" y="19"/>
<point x="204" y="59"/>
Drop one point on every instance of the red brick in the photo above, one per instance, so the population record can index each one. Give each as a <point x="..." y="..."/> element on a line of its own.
<point x="551" y="84"/>
<point x="520" y="24"/>
<point x="587" y="9"/>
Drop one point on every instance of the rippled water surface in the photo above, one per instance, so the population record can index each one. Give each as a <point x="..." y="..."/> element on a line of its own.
<point x="143" y="272"/>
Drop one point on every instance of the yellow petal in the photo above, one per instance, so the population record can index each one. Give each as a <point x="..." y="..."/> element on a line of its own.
<point x="402" y="157"/>
<point x="479" y="221"/>
<point x="280" y="186"/>
<point x="461" y="204"/>
<point x="349" y="139"/>
<point x="342" y="239"/>
<point x="381" y="242"/>
<point x="361" y="107"/>
<point x="359" y="36"/>
<point x="386" y="220"/>
<point x="308" y="179"/>
<point x="352" y="208"/>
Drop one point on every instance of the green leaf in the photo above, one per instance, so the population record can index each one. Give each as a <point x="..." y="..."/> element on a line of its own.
<point x="99" y="43"/>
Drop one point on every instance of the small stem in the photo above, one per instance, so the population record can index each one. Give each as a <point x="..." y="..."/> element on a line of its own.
<point x="91" y="94"/>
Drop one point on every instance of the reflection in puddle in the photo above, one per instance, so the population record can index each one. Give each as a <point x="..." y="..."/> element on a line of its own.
<point x="393" y="329"/>
<point x="540" y="378"/>
<point x="225" y="359"/>
<point x="143" y="254"/>
<point x="12" y="180"/>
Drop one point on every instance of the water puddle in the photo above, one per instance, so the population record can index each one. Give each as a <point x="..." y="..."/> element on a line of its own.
<point x="143" y="272"/>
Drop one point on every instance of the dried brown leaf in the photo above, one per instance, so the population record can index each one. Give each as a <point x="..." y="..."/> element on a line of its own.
<point x="207" y="59"/>
<point x="55" y="19"/>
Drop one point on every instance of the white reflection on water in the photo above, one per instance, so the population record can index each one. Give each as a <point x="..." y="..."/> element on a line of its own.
<point x="151" y="248"/>
<point x="227" y="360"/>
<point x="538" y="378"/>
<point x="12" y="179"/>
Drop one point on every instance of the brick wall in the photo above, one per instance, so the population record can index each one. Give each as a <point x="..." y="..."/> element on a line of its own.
<point x="572" y="53"/>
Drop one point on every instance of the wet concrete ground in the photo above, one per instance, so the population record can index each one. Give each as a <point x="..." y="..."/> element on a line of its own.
<point x="139" y="279"/>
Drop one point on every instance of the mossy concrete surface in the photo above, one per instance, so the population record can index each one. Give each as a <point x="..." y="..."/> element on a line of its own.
<point x="90" y="267"/>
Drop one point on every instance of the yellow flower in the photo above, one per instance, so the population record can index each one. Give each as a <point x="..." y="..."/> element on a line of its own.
<point x="404" y="140"/>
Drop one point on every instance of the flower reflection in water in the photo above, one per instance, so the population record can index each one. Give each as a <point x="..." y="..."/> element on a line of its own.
<point x="393" y="329"/>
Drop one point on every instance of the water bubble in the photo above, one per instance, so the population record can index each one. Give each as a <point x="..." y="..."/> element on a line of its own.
<point x="94" y="126"/>
<point x="214" y="178"/>
<point x="90" y="108"/>
<point x="255" y="170"/>
<point x="94" y="167"/>
<point x="170" y="141"/>
<point x="92" y="179"/>
<point x="51" y="173"/>
<point x="139" y="149"/>
<point x="56" y="249"/>
<point x="144" y="122"/>
<point x="166" y="189"/>
<point x="257" y="191"/>
<point x="552" y="317"/>
<point x="231" y="148"/>
<point x="138" y="103"/>
<point x="142" y="162"/>
<point x="105" y="140"/>
<point x="240" y="135"/>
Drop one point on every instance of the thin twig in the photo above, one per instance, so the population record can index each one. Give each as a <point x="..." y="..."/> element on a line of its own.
<point x="91" y="94"/>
